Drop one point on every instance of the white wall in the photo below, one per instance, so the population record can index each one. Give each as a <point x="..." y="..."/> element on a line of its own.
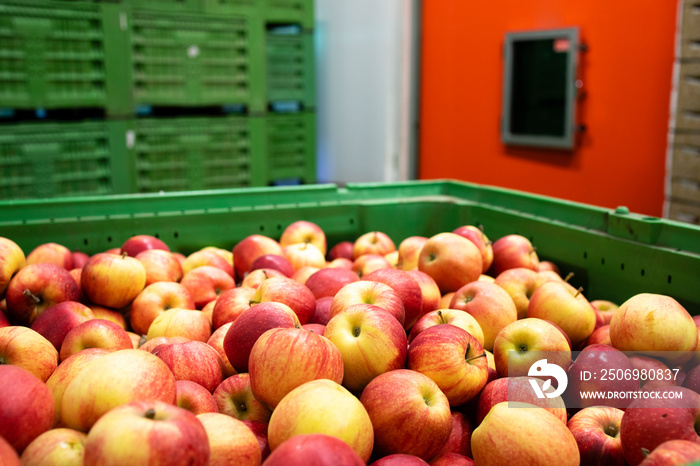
<point x="366" y="89"/>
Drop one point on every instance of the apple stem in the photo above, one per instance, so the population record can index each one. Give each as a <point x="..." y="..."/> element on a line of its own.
<point x="124" y="254"/>
<point x="578" y="292"/>
<point x="569" y="277"/>
<point x="243" y="407"/>
<point x="442" y="318"/>
<point x="34" y="297"/>
<point x="150" y="413"/>
<point x="482" y="355"/>
<point x="645" y="452"/>
<point x="265" y="274"/>
<point x="253" y="303"/>
<point x="143" y="339"/>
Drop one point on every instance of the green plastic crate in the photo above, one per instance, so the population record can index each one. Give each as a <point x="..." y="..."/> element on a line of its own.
<point x="272" y="11"/>
<point x="614" y="254"/>
<point x="52" y="55"/>
<point x="180" y="59"/>
<point x="192" y="6"/>
<point x="196" y="153"/>
<point x="290" y="147"/>
<point x="45" y="160"/>
<point x="290" y="68"/>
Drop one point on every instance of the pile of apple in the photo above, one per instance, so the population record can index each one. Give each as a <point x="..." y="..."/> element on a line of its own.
<point x="280" y="352"/>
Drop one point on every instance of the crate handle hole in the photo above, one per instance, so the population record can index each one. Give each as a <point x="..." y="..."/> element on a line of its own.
<point x="669" y="279"/>
<point x="602" y="261"/>
<point x="643" y="272"/>
<point x="585" y="254"/>
<point x="176" y="234"/>
<point x="622" y="266"/>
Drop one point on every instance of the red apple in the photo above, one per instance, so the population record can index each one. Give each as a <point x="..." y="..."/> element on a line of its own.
<point x="177" y="322"/>
<point x="51" y="253"/>
<point x="303" y="274"/>
<point x="692" y="379"/>
<point x="248" y="327"/>
<point x="460" y="439"/>
<point x="373" y="242"/>
<point x="250" y="248"/>
<point x="303" y="231"/>
<point x="323" y="311"/>
<point x="230" y="441"/>
<point x="112" y="280"/>
<point x="409" y="413"/>
<point x="653" y="372"/>
<point x="307" y="449"/>
<point x="195" y="398"/>
<point x="55" y="447"/>
<point x="399" y="459"/>
<point x="234" y="397"/>
<point x="451" y="260"/>
<point x="156" y="299"/>
<point x="11" y="261"/>
<point x="206" y="283"/>
<point x="452" y="459"/>
<point x="316" y="328"/>
<point x="448" y="316"/>
<point x="153" y="343"/>
<point x="446" y="300"/>
<point x="409" y="251"/>
<point x="79" y="259"/>
<point x="112" y="315"/>
<point x="160" y="266"/>
<point x="481" y="241"/>
<point x="392" y="258"/>
<point x="287" y="291"/>
<point x="160" y="429"/>
<point x="368" y="292"/>
<point x="340" y="262"/>
<point x="36" y="288"/>
<point x="673" y="452"/>
<point x="216" y="341"/>
<point x="406" y="287"/>
<point x="231" y="304"/>
<point x="139" y="243"/>
<point x="327" y="282"/>
<point x="194" y="361"/>
<point x="370" y="341"/>
<point x="8" y="455"/>
<point x="520" y="283"/>
<point x="255" y="277"/>
<point x="344" y="249"/>
<point x="597" y="433"/>
<point x="600" y="336"/>
<point x="95" y="333"/>
<point x="25" y="348"/>
<point x="605" y="308"/>
<point x="273" y="261"/>
<point x="368" y="263"/>
<point x="452" y="358"/>
<point x="206" y="257"/>
<point x="513" y="251"/>
<point x="259" y="429"/>
<point x="429" y="290"/>
<point x="55" y="322"/>
<point x="27" y="408"/>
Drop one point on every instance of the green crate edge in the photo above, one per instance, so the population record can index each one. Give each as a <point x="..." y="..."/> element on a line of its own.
<point x="576" y="236"/>
<point x="307" y="172"/>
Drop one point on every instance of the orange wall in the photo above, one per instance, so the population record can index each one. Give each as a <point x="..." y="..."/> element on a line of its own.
<point x="627" y="74"/>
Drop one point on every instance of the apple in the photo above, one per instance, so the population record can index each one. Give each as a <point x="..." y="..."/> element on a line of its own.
<point x="452" y="459"/>
<point x="429" y="290"/>
<point x="206" y="283"/>
<point x="650" y="322"/>
<point x="448" y="316"/>
<point x="343" y="249"/>
<point x="79" y="259"/>
<point x="564" y="305"/>
<point x="178" y="322"/>
<point x="162" y="431"/>
<point x="255" y="277"/>
<point x="153" y="343"/>
<point x="489" y="304"/>
<point x="36" y="288"/>
<point x="452" y="358"/>
<point x="520" y="283"/>
<point x="8" y="455"/>
<point x="289" y="292"/>
<point x="11" y="261"/>
<point x="513" y="251"/>
<point x="446" y="300"/>
<point x="247" y="328"/>
<point x="25" y="348"/>
<point x="112" y="380"/>
<point x="235" y="398"/>
<point x="230" y="441"/>
<point x="520" y="344"/>
<point x="340" y="262"/>
<point x="27" y="408"/>
<point x="225" y="253"/>
<point x="597" y="433"/>
<point x="406" y="287"/>
<point x="307" y="449"/>
<point x="136" y="244"/>
<point x="481" y="241"/>
<point x="231" y="304"/>
<point x="112" y="280"/>
<point x="517" y="389"/>
<point x="460" y="440"/>
<point x="51" y="253"/>
<point x="373" y="242"/>
<point x="409" y="251"/>
<point x="285" y="358"/>
<point x="409" y="413"/>
<point x="316" y="328"/>
<point x="273" y="261"/>
<point x="206" y="257"/>
<point x="648" y="422"/>
<point x="605" y="308"/>
<point x="55" y="447"/>
<point x="392" y="258"/>
<point x="673" y="452"/>
<point x="521" y="433"/>
<point x="368" y="263"/>
<point x="451" y="260"/>
<point x="303" y="274"/>
<point x="160" y="266"/>
<point x="371" y="342"/>
<point x="692" y="379"/>
<point x="323" y="311"/>
<point x="369" y="292"/>
<point x="322" y="407"/>
<point x="76" y="274"/>
<point x="6" y="323"/>
<point x="259" y="429"/>
<point x="548" y="266"/>
<point x="155" y="299"/>
<point x="216" y="341"/>
<point x="399" y="459"/>
<point x="100" y="312"/>
<point x="55" y="322"/>
<point x="95" y="333"/>
<point x="250" y="248"/>
<point x="600" y="336"/>
<point x="194" y="361"/>
<point x="303" y="231"/>
<point x="326" y="282"/>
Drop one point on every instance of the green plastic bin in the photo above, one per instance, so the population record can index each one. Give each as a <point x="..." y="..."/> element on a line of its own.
<point x="272" y="11"/>
<point x="290" y="68"/>
<point x="613" y="253"/>
<point x="44" y="160"/>
<point x="52" y="55"/>
<point x="290" y="147"/>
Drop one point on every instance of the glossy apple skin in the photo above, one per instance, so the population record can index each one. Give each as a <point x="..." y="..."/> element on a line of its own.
<point x="162" y="430"/>
<point x="406" y="287"/>
<point x="452" y="459"/>
<point x="195" y="398"/>
<point x="27" y="408"/>
<point x="155" y="299"/>
<point x="306" y="449"/>
<point x="230" y="441"/>
<point x="373" y="242"/>
<point x="289" y="292"/>
<point x="25" y="348"/>
<point x="51" y="253"/>
<point x="8" y="455"/>
<point x="112" y="280"/>
<point x="11" y="261"/>
<point x="673" y="452"/>
<point x="327" y="282"/>
<point x="139" y="243"/>
<point x="480" y="240"/>
<point x="207" y="283"/>
<point x="344" y="249"/>
<point x="273" y="261"/>
<point x="369" y="292"/>
<point x="160" y="265"/>
<point x="36" y="288"/>
<point x="448" y="316"/>
<point x="513" y="251"/>
<point x="187" y="323"/>
<point x="55" y="447"/>
<point x="216" y="341"/>
<point x="206" y="257"/>
<point x="231" y="304"/>
<point x="451" y="260"/>
<point x="597" y="433"/>
<point x="55" y="322"/>
<point x="250" y="248"/>
<point x="399" y="459"/>
<point x="194" y="361"/>
<point x="460" y="440"/>
<point x="409" y="413"/>
<point x="95" y="333"/>
<point x="520" y="283"/>
<point x="235" y="398"/>
<point x="429" y="290"/>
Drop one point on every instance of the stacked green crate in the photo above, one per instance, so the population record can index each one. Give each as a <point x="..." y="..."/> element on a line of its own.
<point x="290" y="140"/>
